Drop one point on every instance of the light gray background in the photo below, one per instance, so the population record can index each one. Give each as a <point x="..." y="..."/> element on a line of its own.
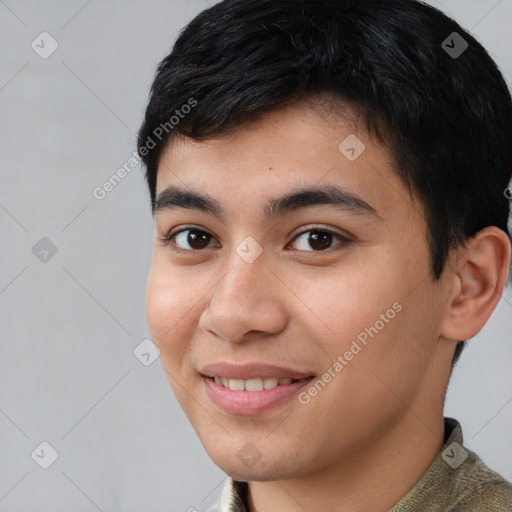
<point x="69" y="326"/>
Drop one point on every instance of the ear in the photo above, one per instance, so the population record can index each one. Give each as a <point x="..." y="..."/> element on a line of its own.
<point x="477" y="276"/>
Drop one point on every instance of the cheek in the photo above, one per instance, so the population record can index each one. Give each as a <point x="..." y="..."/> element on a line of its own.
<point x="343" y="306"/>
<point x="169" y="309"/>
<point x="371" y="323"/>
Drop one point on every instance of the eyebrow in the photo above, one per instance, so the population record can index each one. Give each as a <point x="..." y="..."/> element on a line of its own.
<point x="174" y="197"/>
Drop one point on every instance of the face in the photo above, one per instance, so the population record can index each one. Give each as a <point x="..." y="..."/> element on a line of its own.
<point x="331" y="289"/>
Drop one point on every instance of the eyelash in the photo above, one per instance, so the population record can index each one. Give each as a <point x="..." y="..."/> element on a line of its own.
<point x="170" y="237"/>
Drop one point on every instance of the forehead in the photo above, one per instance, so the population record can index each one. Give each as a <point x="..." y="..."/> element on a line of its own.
<point x="298" y="146"/>
<point x="308" y="123"/>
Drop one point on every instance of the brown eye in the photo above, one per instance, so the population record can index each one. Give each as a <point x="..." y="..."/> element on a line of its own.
<point x="190" y="239"/>
<point x="318" y="240"/>
<point x="197" y="239"/>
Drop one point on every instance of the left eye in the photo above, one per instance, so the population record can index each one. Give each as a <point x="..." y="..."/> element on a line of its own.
<point x="318" y="239"/>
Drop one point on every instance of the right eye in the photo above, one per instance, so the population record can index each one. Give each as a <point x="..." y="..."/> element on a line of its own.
<point x="196" y="239"/>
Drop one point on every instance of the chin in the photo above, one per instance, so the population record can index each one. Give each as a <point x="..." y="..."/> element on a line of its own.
<point x="243" y="474"/>
<point x="262" y="470"/>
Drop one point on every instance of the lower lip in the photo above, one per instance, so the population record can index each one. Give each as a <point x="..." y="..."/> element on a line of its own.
<point x="251" y="402"/>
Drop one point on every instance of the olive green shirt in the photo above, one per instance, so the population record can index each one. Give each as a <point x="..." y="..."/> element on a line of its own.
<point x="457" y="481"/>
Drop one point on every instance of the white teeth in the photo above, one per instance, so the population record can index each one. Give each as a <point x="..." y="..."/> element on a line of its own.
<point x="256" y="384"/>
<point x="270" y="382"/>
<point x="236" y="384"/>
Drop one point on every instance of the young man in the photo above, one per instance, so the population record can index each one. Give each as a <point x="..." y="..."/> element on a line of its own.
<point x="329" y="188"/>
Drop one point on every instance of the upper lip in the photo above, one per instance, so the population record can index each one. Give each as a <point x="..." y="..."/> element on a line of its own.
<point x="251" y="371"/>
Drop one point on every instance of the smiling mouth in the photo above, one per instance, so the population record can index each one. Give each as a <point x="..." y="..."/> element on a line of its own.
<point x="256" y="384"/>
<point x="254" y="395"/>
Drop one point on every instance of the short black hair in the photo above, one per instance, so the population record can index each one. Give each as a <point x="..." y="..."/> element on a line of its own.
<point x="444" y="113"/>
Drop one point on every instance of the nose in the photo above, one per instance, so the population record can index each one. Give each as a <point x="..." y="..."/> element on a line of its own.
<point x="247" y="301"/>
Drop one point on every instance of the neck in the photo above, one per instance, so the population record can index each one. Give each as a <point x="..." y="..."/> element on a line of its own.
<point x="374" y="479"/>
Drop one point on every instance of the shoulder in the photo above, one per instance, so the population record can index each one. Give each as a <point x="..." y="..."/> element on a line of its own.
<point x="458" y="481"/>
<point x="483" y="489"/>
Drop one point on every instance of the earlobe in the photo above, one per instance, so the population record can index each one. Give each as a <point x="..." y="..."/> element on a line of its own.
<point x="480" y="271"/>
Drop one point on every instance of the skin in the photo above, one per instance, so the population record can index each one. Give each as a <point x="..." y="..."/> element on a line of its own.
<point x="364" y="441"/>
